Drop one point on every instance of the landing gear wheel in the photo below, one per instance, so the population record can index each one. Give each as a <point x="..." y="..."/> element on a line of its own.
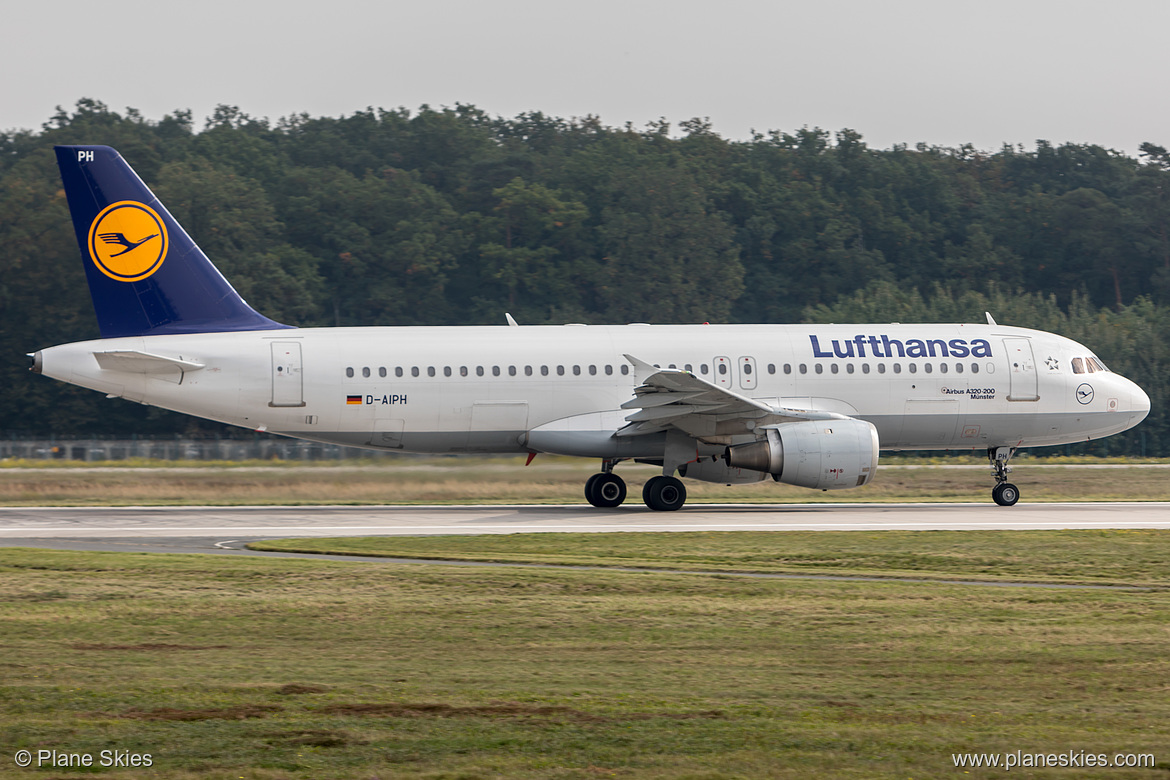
<point x="664" y="494"/>
<point x="1005" y="494"/>
<point x="605" y="490"/>
<point x="589" y="483"/>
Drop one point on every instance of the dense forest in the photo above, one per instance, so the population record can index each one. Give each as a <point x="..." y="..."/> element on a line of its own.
<point x="452" y="216"/>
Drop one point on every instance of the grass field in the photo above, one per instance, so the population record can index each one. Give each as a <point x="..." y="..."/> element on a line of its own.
<point x="547" y="480"/>
<point x="1097" y="557"/>
<point x="227" y="667"/>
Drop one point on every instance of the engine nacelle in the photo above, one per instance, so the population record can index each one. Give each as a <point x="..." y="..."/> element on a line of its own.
<point x="709" y="470"/>
<point x="820" y="454"/>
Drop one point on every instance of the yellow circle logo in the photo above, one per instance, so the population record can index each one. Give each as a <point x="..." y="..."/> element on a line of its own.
<point x="128" y="241"/>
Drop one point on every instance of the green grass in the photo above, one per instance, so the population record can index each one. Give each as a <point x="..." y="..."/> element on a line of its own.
<point x="1103" y="557"/>
<point x="226" y="667"/>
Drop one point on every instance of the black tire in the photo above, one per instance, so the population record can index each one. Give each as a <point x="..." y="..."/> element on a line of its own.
<point x="664" y="494"/>
<point x="605" y="491"/>
<point x="589" y="483"/>
<point x="1005" y="494"/>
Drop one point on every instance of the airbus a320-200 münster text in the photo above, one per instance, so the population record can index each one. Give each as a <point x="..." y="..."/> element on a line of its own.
<point x="807" y="405"/>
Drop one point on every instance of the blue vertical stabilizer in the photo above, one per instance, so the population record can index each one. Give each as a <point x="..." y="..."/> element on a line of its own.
<point x="146" y="275"/>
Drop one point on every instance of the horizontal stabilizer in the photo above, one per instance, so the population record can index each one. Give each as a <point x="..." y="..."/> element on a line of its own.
<point x="135" y="362"/>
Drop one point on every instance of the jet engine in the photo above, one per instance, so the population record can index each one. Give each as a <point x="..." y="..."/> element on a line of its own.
<point x="710" y="470"/>
<point x="820" y="454"/>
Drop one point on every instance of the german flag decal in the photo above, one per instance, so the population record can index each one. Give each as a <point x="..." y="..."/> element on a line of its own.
<point x="353" y="399"/>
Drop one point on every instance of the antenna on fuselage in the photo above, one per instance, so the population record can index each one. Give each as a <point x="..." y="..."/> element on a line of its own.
<point x="990" y="319"/>
<point x="511" y="320"/>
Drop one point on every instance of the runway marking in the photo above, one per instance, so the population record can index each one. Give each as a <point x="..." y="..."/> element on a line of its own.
<point x="221" y="545"/>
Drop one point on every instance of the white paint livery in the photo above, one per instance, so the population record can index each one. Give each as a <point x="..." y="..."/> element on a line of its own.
<point x="570" y="389"/>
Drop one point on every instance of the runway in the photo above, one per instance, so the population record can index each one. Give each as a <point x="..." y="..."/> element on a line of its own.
<point x="194" y="529"/>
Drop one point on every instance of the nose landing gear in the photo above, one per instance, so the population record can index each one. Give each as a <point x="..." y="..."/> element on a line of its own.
<point x="1004" y="493"/>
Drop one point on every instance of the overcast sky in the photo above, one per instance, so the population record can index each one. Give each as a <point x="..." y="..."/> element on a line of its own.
<point x="899" y="71"/>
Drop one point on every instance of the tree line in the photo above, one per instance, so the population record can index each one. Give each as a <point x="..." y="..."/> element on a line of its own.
<point x="453" y="216"/>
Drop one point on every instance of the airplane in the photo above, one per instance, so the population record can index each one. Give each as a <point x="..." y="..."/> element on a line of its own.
<point x="807" y="405"/>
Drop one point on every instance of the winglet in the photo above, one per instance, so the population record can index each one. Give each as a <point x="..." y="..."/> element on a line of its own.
<point x="990" y="319"/>
<point x="642" y="369"/>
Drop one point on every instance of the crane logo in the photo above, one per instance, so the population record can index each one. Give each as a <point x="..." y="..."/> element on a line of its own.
<point x="128" y="241"/>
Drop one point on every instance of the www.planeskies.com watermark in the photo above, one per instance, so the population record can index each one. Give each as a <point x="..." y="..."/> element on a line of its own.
<point x="1066" y="760"/>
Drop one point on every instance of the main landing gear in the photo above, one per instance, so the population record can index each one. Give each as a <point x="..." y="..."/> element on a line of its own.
<point x="607" y="490"/>
<point x="664" y="494"/>
<point x="1004" y="493"/>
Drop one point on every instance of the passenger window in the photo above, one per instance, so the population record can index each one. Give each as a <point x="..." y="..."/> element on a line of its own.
<point x="722" y="368"/>
<point x="882" y="368"/>
<point x="625" y="369"/>
<point x="414" y="370"/>
<point x="672" y="365"/>
<point x="942" y="367"/>
<point x="787" y="368"/>
<point x="747" y="368"/>
<point x="702" y="368"/>
<point x="576" y="370"/>
<point x="803" y="368"/>
<point x="544" y="370"/>
<point x="527" y="370"/>
<point x="446" y="370"/>
<point x="430" y="370"/>
<point x="928" y="368"/>
<point x="495" y="370"/>
<point x="462" y="370"/>
<point x="913" y="368"/>
<point x="349" y="372"/>
<point x="688" y="368"/>
<point x="897" y="368"/>
<point x="560" y="370"/>
<point x="366" y="372"/>
<point x="771" y="368"/>
<point x="479" y="370"/>
<point x="974" y="368"/>
<point x="849" y="368"/>
<point x="958" y="368"/>
<point x="833" y="367"/>
<point x="511" y="370"/>
<point x="382" y="371"/>
<point x="865" y="368"/>
<point x="819" y="368"/>
<point x="398" y="371"/>
<point x="1078" y="366"/>
<point x="608" y="370"/>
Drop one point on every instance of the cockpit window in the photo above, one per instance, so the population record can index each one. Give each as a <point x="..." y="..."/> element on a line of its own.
<point x="1100" y="366"/>
<point x="1078" y="366"/>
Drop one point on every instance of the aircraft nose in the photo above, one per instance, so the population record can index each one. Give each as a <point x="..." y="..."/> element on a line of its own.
<point x="1140" y="401"/>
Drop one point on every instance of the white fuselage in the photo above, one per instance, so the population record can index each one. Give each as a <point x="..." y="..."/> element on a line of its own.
<point x="560" y="388"/>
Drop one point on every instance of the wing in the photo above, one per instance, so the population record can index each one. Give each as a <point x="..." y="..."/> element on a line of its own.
<point x="671" y="398"/>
